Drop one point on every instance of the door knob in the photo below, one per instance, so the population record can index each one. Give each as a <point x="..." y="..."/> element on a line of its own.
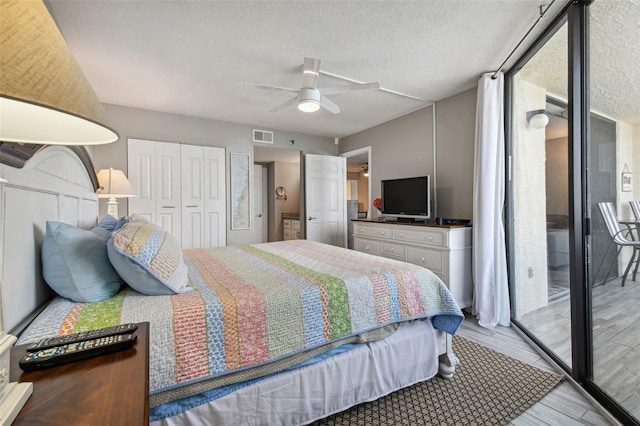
<point x="259" y="215"/>
<point x="311" y="217"/>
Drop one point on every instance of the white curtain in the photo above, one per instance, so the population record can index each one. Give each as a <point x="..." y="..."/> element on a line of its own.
<point x="491" y="294"/>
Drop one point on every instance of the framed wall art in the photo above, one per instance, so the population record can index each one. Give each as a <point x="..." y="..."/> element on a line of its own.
<point x="240" y="191"/>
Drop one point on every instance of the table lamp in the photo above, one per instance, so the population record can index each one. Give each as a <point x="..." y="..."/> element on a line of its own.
<point x="113" y="185"/>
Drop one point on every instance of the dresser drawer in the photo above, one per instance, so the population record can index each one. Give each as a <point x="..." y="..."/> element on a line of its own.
<point x="368" y="246"/>
<point x="393" y="249"/>
<point x="430" y="259"/>
<point x="422" y="236"/>
<point x="295" y="224"/>
<point x="286" y="223"/>
<point x="372" y="231"/>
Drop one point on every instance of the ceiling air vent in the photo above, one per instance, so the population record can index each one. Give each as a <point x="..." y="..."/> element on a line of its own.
<point x="263" y="136"/>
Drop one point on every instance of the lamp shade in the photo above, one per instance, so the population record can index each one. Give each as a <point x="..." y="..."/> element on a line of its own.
<point x="44" y="96"/>
<point x="114" y="184"/>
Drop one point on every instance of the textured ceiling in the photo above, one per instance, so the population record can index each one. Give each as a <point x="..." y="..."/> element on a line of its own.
<point x="188" y="57"/>
<point x="615" y="61"/>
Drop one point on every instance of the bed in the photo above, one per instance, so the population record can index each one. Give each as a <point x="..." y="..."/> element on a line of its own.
<point x="276" y="333"/>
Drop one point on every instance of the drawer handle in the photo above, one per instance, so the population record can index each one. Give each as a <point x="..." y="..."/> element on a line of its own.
<point x="392" y="248"/>
<point x="401" y="234"/>
<point x="367" y="248"/>
<point x="422" y="259"/>
<point x="382" y="232"/>
<point x="430" y="238"/>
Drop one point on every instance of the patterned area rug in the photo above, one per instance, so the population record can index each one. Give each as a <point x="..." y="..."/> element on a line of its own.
<point x="488" y="388"/>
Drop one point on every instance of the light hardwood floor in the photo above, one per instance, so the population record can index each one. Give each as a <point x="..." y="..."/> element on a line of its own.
<point x="616" y="338"/>
<point x="564" y="405"/>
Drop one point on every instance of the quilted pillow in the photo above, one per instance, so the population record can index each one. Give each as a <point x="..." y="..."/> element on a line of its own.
<point x="75" y="263"/>
<point x="148" y="258"/>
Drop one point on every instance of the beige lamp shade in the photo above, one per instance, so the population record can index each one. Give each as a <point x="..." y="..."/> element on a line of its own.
<point x="44" y="96"/>
<point x="113" y="183"/>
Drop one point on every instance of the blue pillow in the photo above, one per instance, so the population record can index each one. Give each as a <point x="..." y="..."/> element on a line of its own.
<point x="75" y="263"/>
<point x="149" y="259"/>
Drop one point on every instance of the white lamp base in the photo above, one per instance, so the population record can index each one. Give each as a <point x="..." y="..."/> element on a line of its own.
<point x="112" y="207"/>
<point x="13" y="396"/>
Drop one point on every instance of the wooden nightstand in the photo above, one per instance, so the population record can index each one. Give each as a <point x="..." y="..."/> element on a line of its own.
<point x="111" y="389"/>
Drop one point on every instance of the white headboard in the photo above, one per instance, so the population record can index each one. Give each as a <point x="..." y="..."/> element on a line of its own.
<point x="53" y="185"/>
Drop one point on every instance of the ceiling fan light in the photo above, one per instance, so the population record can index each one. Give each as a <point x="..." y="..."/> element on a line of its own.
<point x="309" y="100"/>
<point x="309" y="105"/>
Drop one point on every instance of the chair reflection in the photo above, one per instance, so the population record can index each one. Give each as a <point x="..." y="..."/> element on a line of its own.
<point x="621" y="238"/>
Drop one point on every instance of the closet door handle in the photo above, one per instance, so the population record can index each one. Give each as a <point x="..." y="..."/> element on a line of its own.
<point x="168" y="207"/>
<point x="311" y="217"/>
<point x="192" y="206"/>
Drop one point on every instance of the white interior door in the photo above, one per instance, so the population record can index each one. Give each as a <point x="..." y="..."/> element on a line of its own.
<point x="154" y="172"/>
<point x="192" y="177"/>
<point x="325" y="201"/>
<point x="258" y="213"/>
<point x="215" y="197"/>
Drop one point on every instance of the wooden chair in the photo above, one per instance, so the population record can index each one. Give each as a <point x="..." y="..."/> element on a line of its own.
<point x="620" y="237"/>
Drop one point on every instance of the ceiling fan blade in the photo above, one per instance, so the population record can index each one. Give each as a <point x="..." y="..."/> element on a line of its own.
<point x="310" y="73"/>
<point x="329" y="105"/>
<point x="284" y="105"/>
<point x="267" y="87"/>
<point x="332" y="90"/>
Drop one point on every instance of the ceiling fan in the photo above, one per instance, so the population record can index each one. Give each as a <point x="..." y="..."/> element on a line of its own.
<point x="309" y="97"/>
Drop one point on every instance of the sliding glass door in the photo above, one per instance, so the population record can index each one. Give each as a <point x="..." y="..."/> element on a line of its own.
<point x="574" y="147"/>
<point x="540" y="194"/>
<point x="615" y="161"/>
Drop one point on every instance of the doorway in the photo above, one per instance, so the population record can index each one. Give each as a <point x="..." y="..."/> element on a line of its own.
<point x="358" y="189"/>
<point x="282" y="189"/>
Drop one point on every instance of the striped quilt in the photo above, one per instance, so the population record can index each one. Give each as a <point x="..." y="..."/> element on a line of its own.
<point x="258" y="304"/>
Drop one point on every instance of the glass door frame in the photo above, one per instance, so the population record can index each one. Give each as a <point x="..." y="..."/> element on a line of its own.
<point x="576" y="15"/>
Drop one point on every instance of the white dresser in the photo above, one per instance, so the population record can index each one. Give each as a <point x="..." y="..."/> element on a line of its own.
<point x="445" y="250"/>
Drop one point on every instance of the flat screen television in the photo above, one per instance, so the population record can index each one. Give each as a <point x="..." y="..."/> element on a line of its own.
<point x="407" y="199"/>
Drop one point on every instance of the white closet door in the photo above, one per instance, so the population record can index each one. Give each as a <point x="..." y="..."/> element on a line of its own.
<point x="192" y="161"/>
<point x="181" y="188"/>
<point x="215" y="199"/>
<point x="141" y="173"/>
<point x="168" y="188"/>
<point x="154" y="172"/>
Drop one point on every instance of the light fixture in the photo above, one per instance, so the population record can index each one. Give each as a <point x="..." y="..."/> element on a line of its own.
<point x="309" y="100"/>
<point x="114" y="184"/>
<point x="365" y="169"/>
<point x="537" y="119"/>
<point x="44" y="96"/>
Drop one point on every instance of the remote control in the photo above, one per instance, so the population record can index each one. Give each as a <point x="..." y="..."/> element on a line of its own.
<point x="51" y="342"/>
<point x="75" y="351"/>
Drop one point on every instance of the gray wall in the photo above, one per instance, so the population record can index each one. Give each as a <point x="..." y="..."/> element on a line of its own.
<point x="399" y="148"/>
<point x="158" y="126"/>
<point x="455" y="136"/>
<point x="404" y="147"/>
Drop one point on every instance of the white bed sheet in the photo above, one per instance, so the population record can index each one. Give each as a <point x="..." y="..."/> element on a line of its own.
<point x="306" y="394"/>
